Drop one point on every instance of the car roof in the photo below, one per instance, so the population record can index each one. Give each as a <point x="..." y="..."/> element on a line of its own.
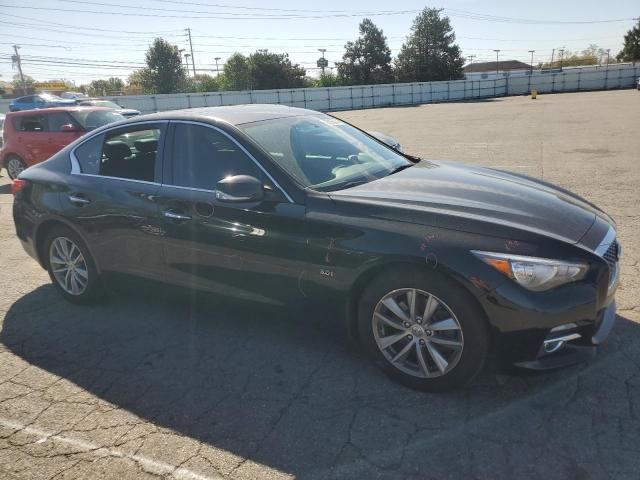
<point x="233" y="114"/>
<point x="57" y="109"/>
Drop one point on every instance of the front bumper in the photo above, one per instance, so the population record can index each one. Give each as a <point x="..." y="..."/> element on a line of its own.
<point x="568" y="353"/>
<point x="543" y="330"/>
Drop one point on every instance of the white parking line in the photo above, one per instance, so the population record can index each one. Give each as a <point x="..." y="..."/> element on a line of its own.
<point x="154" y="465"/>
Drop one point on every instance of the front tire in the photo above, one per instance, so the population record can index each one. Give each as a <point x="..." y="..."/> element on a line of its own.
<point x="14" y="165"/>
<point x="423" y="329"/>
<point x="71" y="266"/>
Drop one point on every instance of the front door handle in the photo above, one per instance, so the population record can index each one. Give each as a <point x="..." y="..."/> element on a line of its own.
<point x="78" y="199"/>
<point x="175" y="216"/>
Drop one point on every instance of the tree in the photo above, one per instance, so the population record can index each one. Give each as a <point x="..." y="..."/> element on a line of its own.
<point x="203" y="83"/>
<point x="136" y="82"/>
<point x="368" y="59"/>
<point x="17" y="82"/>
<point x="631" y="50"/>
<point x="274" y="70"/>
<point x="327" y="79"/>
<point x="592" y="55"/>
<point x="164" y="72"/>
<point x="236" y="73"/>
<point x="429" y="53"/>
<point x="105" y="87"/>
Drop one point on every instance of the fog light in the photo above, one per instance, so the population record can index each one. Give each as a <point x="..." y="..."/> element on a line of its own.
<point x="558" y="336"/>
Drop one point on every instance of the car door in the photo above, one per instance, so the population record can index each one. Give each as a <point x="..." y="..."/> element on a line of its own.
<point x="63" y="130"/>
<point x="111" y="198"/>
<point x="250" y="250"/>
<point x="32" y="137"/>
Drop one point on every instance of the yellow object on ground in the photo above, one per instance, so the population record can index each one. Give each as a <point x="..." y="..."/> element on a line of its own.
<point x="534" y="94"/>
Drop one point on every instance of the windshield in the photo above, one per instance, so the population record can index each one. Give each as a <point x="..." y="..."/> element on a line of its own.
<point x="49" y="97"/>
<point x="324" y="153"/>
<point x="92" y="119"/>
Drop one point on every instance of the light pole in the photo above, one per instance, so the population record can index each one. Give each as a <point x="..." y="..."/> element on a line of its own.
<point x="497" y="63"/>
<point x="561" y="50"/>
<point x="531" y="69"/>
<point x="186" y="60"/>
<point x="608" y="51"/>
<point x="180" y="50"/>
<point x="322" y="50"/>
<point x="217" y="71"/>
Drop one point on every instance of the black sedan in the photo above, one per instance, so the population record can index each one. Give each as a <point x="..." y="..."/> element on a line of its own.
<point x="434" y="266"/>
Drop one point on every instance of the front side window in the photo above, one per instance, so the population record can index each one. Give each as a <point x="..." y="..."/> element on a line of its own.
<point x="131" y="155"/>
<point x="58" y="120"/>
<point x="203" y="156"/>
<point x="30" y="123"/>
<point x="324" y="153"/>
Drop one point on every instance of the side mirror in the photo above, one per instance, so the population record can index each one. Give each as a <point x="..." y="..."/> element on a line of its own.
<point x="240" y="188"/>
<point x="69" y="127"/>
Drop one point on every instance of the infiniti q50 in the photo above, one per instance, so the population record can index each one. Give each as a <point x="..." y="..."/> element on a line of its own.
<point x="434" y="266"/>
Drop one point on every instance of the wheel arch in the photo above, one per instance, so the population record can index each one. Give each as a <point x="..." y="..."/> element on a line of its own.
<point x="46" y="226"/>
<point x="367" y="276"/>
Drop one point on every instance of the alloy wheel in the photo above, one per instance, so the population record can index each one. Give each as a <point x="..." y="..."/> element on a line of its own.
<point x="68" y="266"/>
<point x="417" y="333"/>
<point x="14" y="167"/>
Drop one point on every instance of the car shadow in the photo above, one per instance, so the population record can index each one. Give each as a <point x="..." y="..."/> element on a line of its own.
<point x="282" y="391"/>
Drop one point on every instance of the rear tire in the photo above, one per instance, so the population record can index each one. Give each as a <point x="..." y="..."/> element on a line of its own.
<point x="14" y="165"/>
<point x="437" y="342"/>
<point x="71" y="266"/>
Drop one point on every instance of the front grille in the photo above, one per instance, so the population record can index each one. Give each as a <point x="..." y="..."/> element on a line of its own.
<point x="611" y="257"/>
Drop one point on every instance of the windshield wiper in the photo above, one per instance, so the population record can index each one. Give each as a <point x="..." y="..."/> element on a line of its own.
<point x="400" y="168"/>
<point x="342" y="186"/>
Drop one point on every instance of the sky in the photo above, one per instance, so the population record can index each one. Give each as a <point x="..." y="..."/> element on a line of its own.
<point x="84" y="40"/>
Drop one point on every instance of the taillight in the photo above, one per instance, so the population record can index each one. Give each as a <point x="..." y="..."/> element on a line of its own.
<point x="18" y="185"/>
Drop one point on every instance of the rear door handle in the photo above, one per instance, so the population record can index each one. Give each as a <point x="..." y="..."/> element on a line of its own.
<point x="78" y="199"/>
<point x="175" y="216"/>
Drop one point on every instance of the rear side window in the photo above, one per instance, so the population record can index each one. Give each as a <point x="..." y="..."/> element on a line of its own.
<point x="203" y="156"/>
<point x="132" y="155"/>
<point x="30" y="123"/>
<point x="89" y="155"/>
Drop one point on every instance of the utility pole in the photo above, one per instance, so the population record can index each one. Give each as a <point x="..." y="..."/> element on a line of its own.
<point x="323" y="62"/>
<point x="471" y="57"/>
<point x="608" y="51"/>
<point x="552" y="53"/>
<point x="16" y="60"/>
<point x="561" y="50"/>
<point x="186" y="60"/>
<point x="531" y="70"/>
<point x="217" y="70"/>
<point x="497" y="63"/>
<point x="193" y="60"/>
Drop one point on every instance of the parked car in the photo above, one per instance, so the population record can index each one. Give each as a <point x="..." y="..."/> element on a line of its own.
<point x="435" y="266"/>
<point x="42" y="100"/>
<point x="98" y="102"/>
<point x="2" y="116"/>
<point x="73" y="95"/>
<point x="638" y="85"/>
<point x="33" y="136"/>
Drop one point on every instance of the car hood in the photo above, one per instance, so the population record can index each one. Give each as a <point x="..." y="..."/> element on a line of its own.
<point x="128" y="112"/>
<point x="431" y="192"/>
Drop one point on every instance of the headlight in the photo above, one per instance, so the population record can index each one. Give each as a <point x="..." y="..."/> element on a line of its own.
<point x="533" y="273"/>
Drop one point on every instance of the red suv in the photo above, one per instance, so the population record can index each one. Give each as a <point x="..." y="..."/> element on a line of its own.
<point x="32" y="136"/>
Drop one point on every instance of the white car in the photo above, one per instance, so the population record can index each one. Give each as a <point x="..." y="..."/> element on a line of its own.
<point x="73" y="95"/>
